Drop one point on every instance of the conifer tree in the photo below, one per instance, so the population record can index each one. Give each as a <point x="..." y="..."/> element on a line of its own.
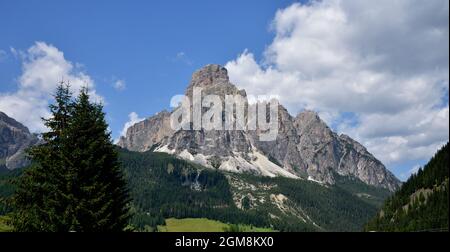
<point x="100" y="195"/>
<point x="75" y="183"/>
<point x="42" y="195"/>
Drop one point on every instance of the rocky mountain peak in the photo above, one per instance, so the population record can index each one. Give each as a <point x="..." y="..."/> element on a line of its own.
<point x="213" y="79"/>
<point x="305" y="147"/>
<point x="309" y="116"/>
<point x="307" y="121"/>
<point x="6" y="120"/>
<point x="210" y="74"/>
<point x="144" y="135"/>
<point x="15" y="138"/>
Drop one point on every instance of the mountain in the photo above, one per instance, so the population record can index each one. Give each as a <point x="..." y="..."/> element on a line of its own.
<point x="15" y="138"/>
<point x="305" y="147"/>
<point x="421" y="204"/>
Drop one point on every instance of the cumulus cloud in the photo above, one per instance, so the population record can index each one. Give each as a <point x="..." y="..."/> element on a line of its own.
<point x="133" y="118"/>
<point x="43" y="67"/>
<point x="383" y="62"/>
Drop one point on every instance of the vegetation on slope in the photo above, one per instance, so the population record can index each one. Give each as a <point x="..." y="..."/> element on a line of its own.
<point x="422" y="202"/>
<point x="301" y="205"/>
<point x="163" y="186"/>
<point x="7" y="188"/>
<point x="5" y="224"/>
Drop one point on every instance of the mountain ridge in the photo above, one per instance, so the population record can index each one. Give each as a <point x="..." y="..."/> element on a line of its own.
<point x="305" y="147"/>
<point x="15" y="138"/>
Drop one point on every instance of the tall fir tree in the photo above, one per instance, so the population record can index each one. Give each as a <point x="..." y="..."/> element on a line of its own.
<point x="41" y="196"/>
<point x="75" y="182"/>
<point x="100" y="196"/>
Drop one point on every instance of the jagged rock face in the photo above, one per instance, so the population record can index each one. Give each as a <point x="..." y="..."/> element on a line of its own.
<point x="326" y="153"/>
<point x="357" y="161"/>
<point x="144" y="135"/>
<point x="284" y="148"/>
<point x="305" y="146"/>
<point x="212" y="79"/>
<point x="15" y="138"/>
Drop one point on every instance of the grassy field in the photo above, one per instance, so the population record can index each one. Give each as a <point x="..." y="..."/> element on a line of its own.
<point x="205" y="225"/>
<point x="181" y="225"/>
<point x="3" y="226"/>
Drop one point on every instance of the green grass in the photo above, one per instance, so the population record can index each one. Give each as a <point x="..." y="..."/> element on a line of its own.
<point x="205" y="225"/>
<point x="4" y="227"/>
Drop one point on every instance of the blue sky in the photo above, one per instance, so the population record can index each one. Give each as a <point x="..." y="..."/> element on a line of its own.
<point x="388" y="88"/>
<point x="137" y="43"/>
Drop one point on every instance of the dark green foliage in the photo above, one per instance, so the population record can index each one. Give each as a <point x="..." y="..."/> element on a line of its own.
<point x="3" y="168"/>
<point x="233" y="228"/>
<point x="7" y="189"/>
<point x="41" y="193"/>
<point x="426" y="210"/>
<point x="163" y="186"/>
<point x="245" y="203"/>
<point x="75" y="182"/>
<point x="370" y="194"/>
<point x="332" y="208"/>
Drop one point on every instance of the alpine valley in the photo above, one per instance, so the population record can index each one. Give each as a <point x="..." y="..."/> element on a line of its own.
<point x="308" y="179"/>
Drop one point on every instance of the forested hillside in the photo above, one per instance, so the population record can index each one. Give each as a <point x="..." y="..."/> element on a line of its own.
<point x="7" y="189"/>
<point x="162" y="186"/>
<point x="422" y="202"/>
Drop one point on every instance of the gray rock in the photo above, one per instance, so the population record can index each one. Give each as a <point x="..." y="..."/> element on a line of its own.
<point x="305" y="146"/>
<point x="15" y="138"/>
<point x="146" y="134"/>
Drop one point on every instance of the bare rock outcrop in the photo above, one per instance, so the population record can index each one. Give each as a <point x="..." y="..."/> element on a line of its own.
<point x="305" y="147"/>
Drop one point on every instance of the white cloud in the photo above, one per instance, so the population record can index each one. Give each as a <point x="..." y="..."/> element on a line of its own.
<point x="133" y="119"/>
<point x="384" y="62"/>
<point x="120" y="85"/>
<point x="43" y="67"/>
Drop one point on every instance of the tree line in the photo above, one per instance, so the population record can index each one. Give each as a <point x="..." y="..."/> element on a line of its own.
<point x="75" y="182"/>
<point x="422" y="203"/>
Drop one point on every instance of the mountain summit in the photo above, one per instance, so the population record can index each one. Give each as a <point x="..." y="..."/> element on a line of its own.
<point x="210" y="75"/>
<point x="305" y="147"/>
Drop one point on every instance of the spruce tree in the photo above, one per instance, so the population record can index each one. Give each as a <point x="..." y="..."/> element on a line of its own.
<point x="41" y="196"/>
<point x="100" y="195"/>
<point x="75" y="182"/>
